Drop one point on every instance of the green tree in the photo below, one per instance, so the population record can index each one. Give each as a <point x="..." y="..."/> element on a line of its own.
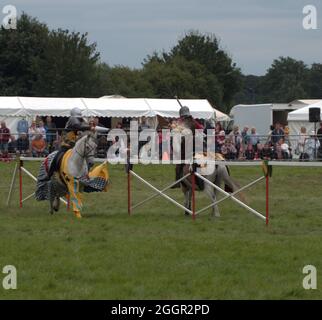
<point x="285" y="81"/>
<point x="178" y="76"/>
<point x="35" y="61"/>
<point x="314" y="84"/>
<point x="68" y="66"/>
<point x="125" y="81"/>
<point x="20" y="50"/>
<point x="205" y="49"/>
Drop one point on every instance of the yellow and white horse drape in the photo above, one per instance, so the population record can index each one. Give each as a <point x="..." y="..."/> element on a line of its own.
<point x="99" y="173"/>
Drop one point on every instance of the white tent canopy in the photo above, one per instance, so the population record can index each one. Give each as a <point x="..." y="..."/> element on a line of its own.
<point x="303" y="113"/>
<point x="12" y="109"/>
<point x="300" y="118"/>
<point x="113" y="107"/>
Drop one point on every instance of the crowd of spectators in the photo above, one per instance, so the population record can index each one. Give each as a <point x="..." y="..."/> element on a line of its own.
<point x="276" y="145"/>
<point x="42" y="137"/>
<point x="36" y="140"/>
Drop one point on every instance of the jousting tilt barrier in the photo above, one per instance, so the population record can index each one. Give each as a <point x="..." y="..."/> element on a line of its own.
<point x="266" y="165"/>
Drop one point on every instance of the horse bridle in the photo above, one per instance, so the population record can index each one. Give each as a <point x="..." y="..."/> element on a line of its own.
<point x="85" y="153"/>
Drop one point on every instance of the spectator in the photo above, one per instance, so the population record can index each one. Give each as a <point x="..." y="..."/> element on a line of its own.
<point x="41" y="129"/>
<point x="300" y="145"/>
<point x="4" y="139"/>
<point x="250" y="152"/>
<point x="22" y="144"/>
<point x="277" y="133"/>
<point x="38" y="119"/>
<point x="218" y="127"/>
<point x="51" y="133"/>
<point x="229" y="150"/>
<point x="220" y="141"/>
<point x="237" y="140"/>
<point x="12" y="145"/>
<point x="319" y="133"/>
<point x="285" y="149"/>
<point x="311" y="146"/>
<point x="245" y="135"/>
<point x="254" y="138"/>
<point x="38" y="146"/>
<point x="319" y="136"/>
<point x="266" y="153"/>
<point x="143" y="124"/>
<point x="32" y="130"/>
<point x="22" y="126"/>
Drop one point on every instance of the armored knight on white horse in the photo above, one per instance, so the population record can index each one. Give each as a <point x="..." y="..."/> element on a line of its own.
<point x="67" y="171"/>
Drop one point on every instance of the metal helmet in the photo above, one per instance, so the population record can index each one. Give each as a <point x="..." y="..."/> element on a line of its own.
<point x="184" y="112"/>
<point x="76" y="112"/>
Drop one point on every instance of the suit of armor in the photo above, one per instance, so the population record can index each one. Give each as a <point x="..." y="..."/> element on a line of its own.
<point x="69" y="137"/>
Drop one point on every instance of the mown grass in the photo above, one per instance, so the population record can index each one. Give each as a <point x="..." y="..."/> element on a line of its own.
<point x="157" y="253"/>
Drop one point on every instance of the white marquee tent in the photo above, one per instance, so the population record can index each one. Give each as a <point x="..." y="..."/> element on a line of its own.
<point x="12" y="109"/>
<point x="300" y="118"/>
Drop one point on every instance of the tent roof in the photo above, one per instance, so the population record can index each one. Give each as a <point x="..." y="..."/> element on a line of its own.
<point x="303" y="113"/>
<point x="272" y="106"/>
<point x="304" y="101"/>
<point x="111" y="107"/>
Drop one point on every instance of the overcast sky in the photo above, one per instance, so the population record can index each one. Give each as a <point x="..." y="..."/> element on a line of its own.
<point x="254" y="32"/>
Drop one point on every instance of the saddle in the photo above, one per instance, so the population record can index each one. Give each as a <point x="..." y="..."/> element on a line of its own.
<point x="53" y="161"/>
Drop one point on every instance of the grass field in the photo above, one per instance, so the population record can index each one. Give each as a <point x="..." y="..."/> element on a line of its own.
<point x="158" y="253"/>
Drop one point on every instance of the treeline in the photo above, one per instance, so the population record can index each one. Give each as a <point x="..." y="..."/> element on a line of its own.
<point x="37" y="61"/>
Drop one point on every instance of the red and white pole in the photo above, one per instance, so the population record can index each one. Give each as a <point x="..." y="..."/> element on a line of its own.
<point x="267" y="199"/>
<point x="129" y="192"/>
<point x="193" y="189"/>
<point x="20" y="183"/>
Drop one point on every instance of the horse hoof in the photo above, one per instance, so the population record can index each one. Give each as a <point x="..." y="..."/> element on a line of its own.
<point x="77" y="214"/>
<point x="56" y="204"/>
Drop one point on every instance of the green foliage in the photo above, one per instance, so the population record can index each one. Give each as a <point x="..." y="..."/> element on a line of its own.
<point x="124" y="81"/>
<point x="285" y="80"/>
<point x="195" y="68"/>
<point x="314" y="83"/>
<point x="68" y="66"/>
<point x="36" y="61"/>
<point x="205" y="49"/>
<point x="178" y="76"/>
<point x="20" y="51"/>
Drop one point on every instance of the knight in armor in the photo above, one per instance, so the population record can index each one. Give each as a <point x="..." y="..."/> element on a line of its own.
<point x="187" y="121"/>
<point x="74" y="124"/>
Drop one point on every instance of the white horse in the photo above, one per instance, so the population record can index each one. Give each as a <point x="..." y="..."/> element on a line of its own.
<point x="74" y="166"/>
<point x="214" y="172"/>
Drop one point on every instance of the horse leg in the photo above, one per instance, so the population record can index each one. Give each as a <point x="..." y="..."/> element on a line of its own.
<point x="75" y="197"/>
<point x="51" y="198"/>
<point x="211" y="192"/>
<point x="51" y="206"/>
<point x="187" y="199"/>
<point x="56" y="204"/>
